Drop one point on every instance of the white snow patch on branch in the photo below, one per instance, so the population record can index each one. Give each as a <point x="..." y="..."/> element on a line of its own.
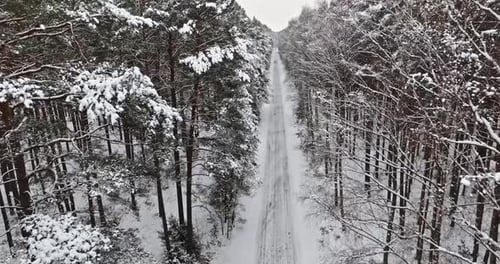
<point x="132" y="20"/>
<point x="19" y="91"/>
<point x="105" y="92"/>
<point x="187" y="28"/>
<point x="243" y="76"/>
<point x="204" y="60"/>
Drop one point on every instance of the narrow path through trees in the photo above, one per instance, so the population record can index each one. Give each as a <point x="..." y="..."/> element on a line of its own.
<point x="277" y="229"/>
<point x="276" y="232"/>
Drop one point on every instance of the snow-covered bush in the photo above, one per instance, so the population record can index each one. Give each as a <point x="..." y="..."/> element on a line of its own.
<point x="61" y="239"/>
<point x="179" y="253"/>
<point x="127" y="249"/>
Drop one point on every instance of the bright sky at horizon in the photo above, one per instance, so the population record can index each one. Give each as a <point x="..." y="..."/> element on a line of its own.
<point x="275" y="13"/>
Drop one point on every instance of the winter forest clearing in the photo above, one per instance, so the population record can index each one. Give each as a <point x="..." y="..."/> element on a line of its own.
<point x="184" y="131"/>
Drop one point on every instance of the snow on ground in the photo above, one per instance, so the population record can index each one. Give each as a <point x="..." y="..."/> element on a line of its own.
<point x="278" y="229"/>
<point x="148" y="222"/>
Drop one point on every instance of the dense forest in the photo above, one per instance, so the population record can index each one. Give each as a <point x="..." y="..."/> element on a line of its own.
<point x="106" y="102"/>
<point x="399" y="105"/>
<point x="156" y="131"/>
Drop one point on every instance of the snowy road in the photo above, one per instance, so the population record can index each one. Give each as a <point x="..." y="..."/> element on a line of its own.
<point x="276" y="244"/>
<point x="277" y="230"/>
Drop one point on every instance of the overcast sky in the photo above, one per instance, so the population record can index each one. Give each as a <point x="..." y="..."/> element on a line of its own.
<point x="275" y="13"/>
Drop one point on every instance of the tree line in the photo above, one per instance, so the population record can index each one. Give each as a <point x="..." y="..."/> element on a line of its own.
<point x="400" y="114"/>
<point x="102" y="101"/>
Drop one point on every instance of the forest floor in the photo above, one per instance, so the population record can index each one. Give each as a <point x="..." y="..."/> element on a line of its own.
<point x="278" y="229"/>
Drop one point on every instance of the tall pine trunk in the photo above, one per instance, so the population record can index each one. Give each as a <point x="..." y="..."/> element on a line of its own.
<point x="391" y="200"/>
<point x="340" y="178"/>
<point x="100" y="208"/>
<point x="175" y="131"/>
<point x="161" y="205"/>
<point x="478" y="222"/>
<point x="495" y="218"/>
<point x="189" y="165"/>
<point x="403" y="165"/>
<point x="9" y="179"/>
<point x="481" y="168"/>
<point x="422" y="210"/>
<point x="90" y="201"/>
<point x="437" y="214"/>
<point x="6" y="223"/>
<point x="18" y="162"/>
<point x="368" y="144"/>
<point x="129" y="152"/>
<point x="455" y="179"/>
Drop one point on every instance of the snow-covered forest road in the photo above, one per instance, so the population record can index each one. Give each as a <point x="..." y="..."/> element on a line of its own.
<point x="276" y="232"/>
<point x="277" y="229"/>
